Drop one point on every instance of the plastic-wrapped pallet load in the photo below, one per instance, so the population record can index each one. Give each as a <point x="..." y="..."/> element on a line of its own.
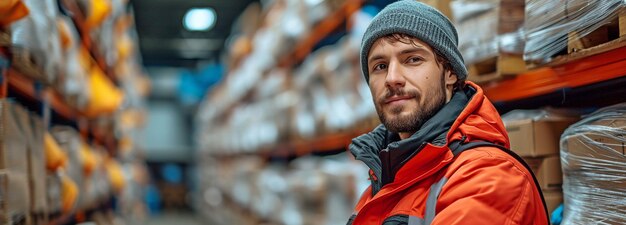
<point x="550" y="23"/>
<point x="594" y="168"/>
<point x="499" y="22"/>
<point x="35" y="40"/>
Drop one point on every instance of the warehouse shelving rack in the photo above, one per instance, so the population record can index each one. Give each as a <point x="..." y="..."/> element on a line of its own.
<point x="588" y="77"/>
<point x="45" y="99"/>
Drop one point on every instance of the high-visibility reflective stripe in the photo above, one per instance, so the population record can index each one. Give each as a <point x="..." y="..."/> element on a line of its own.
<point x="431" y="201"/>
<point x="413" y="220"/>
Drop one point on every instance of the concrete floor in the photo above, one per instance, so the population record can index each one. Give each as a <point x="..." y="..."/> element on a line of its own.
<point x="177" y="218"/>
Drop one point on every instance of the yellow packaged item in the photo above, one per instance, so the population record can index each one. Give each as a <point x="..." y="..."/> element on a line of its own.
<point x="69" y="193"/>
<point x="88" y="158"/>
<point x="105" y="96"/>
<point x="55" y="157"/>
<point x="97" y="12"/>
<point x="124" y="46"/>
<point x="116" y="175"/>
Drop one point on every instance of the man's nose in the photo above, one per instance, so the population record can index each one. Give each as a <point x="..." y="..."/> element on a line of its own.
<point x="395" y="76"/>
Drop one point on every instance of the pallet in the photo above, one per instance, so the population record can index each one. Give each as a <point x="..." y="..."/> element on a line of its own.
<point x="615" y="29"/>
<point x="496" y="68"/>
<point x="608" y="37"/>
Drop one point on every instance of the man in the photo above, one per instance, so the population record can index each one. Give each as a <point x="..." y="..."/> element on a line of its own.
<point x="441" y="154"/>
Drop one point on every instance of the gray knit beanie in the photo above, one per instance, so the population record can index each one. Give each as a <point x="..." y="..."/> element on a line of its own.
<point x="420" y="21"/>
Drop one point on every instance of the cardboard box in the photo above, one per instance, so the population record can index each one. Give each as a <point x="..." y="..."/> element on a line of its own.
<point x="37" y="164"/>
<point x="553" y="199"/>
<point x="536" y="138"/>
<point x="14" y="188"/>
<point x="548" y="171"/>
<point x="32" y="132"/>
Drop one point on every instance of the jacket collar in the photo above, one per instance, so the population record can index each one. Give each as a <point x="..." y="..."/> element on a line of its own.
<point x="385" y="153"/>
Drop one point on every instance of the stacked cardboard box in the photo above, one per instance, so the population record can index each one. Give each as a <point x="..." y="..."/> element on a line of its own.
<point x="537" y="141"/>
<point x="14" y="181"/>
<point x="31" y="129"/>
<point x="594" y="165"/>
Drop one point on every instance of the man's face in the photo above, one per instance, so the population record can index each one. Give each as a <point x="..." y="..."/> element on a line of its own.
<point x="407" y="83"/>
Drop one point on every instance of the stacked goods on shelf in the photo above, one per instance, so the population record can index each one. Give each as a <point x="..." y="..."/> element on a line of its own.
<point x="47" y="48"/>
<point x="265" y="106"/>
<point x="61" y="190"/>
<point x="83" y="164"/>
<point x="534" y="135"/>
<point x="261" y="103"/>
<point x="334" y="96"/>
<point x="35" y="44"/>
<point x="31" y="129"/>
<point x="83" y="55"/>
<point x="309" y="190"/>
<point x="85" y="176"/>
<point x="593" y="158"/>
<point x="574" y="27"/>
<point x="497" y="49"/>
<point x="16" y="202"/>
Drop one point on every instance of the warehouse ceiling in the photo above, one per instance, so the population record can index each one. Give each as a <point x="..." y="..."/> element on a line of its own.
<point x="164" y="41"/>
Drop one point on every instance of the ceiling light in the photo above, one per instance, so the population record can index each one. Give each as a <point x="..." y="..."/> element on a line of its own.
<point x="199" y="19"/>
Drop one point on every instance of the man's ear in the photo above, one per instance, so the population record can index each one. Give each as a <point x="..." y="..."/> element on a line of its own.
<point x="450" y="78"/>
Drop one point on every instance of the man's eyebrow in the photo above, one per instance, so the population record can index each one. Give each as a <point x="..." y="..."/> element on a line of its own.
<point x="414" y="49"/>
<point x="375" y="57"/>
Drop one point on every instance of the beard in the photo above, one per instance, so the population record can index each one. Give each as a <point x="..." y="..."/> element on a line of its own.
<point x="395" y="121"/>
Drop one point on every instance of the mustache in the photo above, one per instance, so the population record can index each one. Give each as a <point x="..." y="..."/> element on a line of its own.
<point x="393" y="92"/>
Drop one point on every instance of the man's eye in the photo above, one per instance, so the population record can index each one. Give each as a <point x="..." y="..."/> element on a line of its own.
<point x="414" y="59"/>
<point x="380" y="66"/>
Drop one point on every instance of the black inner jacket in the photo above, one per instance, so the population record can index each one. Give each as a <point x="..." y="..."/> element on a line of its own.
<point x="384" y="153"/>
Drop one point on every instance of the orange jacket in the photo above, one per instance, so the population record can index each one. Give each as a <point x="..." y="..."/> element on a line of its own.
<point x="484" y="185"/>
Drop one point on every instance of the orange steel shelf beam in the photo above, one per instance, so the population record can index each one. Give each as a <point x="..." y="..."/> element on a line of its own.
<point x="25" y="86"/>
<point x="581" y="72"/>
<point x="326" y="143"/>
